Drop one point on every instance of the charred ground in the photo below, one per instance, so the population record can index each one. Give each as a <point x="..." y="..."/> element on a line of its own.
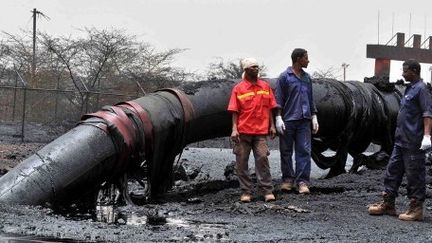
<point x="204" y="206"/>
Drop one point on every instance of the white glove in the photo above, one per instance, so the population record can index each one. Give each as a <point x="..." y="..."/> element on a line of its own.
<point x="280" y="125"/>
<point x="426" y="142"/>
<point x="315" y="125"/>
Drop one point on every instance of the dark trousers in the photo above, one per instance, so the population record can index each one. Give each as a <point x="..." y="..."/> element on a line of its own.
<point x="258" y="144"/>
<point x="412" y="163"/>
<point x="297" y="135"/>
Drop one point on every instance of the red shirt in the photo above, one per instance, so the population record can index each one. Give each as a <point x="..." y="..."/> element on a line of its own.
<point x="253" y="103"/>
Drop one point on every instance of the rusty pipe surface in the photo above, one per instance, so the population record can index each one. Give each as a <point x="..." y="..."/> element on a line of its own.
<point x="155" y="128"/>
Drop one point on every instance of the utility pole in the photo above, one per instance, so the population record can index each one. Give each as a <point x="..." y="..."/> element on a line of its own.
<point x="344" y="66"/>
<point x="378" y="25"/>
<point x="430" y="69"/>
<point x="33" y="65"/>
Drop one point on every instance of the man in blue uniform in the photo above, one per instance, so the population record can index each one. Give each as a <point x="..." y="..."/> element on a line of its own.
<point x="412" y="138"/>
<point x="295" y="118"/>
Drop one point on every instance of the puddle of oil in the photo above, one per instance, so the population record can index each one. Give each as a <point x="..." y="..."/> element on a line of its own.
<point x="136" y="220"/>
<point x="12" y="238"/>
<point x="156" y="221"/>
<point x="202" y="230"/>
<point x="105" y="214"/>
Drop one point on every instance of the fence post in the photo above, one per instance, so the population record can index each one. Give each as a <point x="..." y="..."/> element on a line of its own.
<point x="56" y="99"/>
<point x="24" y="105"/>
<point x="14" y="97"/>
<point x="98" y="95"/>
<point x="23" y="114"/>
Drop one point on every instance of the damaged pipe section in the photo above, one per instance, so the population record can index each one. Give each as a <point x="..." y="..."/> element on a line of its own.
<point x="152" y="130"/>
<point x="106" y="144"/>
<point x="352" y="115"/>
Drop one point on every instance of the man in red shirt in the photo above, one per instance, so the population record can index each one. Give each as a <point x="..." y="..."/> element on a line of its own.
<point x="251" y="104"/>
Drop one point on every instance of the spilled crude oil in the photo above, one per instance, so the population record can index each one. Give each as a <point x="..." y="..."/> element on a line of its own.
<point x="207" y="208"/>
<point x="13" y="238"/>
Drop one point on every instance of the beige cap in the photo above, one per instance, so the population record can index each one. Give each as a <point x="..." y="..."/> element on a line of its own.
<point x="248" y="62"/>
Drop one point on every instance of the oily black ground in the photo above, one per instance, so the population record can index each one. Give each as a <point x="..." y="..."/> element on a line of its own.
<point x="207" y="208"/>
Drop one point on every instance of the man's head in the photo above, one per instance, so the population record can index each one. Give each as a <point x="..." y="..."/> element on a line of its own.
<point x="250" y="67"/>
<point x="411" y="70"/>
<point x="300" y="56"/>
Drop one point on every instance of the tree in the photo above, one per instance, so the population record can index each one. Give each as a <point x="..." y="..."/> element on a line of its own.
<point x="17" y="54"/>
<point x="97" y="62"/>
<point x="325" y="74"/>
<point x="110" y="57"/>
<point x="228" y="70"/>
<point x="3" y="55"/>
<point x="153" y="69"/>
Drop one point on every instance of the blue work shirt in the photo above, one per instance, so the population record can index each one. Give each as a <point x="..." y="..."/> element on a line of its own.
<point x="294" y="96"/>
<point x="414" y="106"/>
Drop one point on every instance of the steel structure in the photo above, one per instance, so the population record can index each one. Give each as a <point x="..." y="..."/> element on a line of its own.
<point x="383" y="54"/>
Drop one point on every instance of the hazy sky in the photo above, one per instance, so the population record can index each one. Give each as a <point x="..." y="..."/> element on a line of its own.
<point x="333" y="31"/>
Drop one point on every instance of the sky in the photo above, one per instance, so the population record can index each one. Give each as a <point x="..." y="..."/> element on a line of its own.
<point x="333" y="31"/>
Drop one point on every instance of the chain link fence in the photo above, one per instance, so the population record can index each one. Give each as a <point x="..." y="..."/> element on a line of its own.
<point x="41" y="114"/>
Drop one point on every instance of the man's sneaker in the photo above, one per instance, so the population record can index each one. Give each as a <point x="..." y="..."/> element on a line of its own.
<point x="286" y="186"/>
<point x="414" y="213"/>
<point x="386" y="206"/>
<point x="269" y="197"/>
<point x="303" y="188"/>
<point x="246" y="198"/>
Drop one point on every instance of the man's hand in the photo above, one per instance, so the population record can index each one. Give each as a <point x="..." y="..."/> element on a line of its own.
<point x="315" y="125"/>
<point x="280" y="125"/>
<point x="235" y="136"/>
<point x="426" y="142"/>
<point x="272" y="132"/>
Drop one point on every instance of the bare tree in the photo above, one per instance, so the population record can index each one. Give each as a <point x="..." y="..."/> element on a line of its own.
<point x="231" y="69"/>
<point x="3" y="56"/>
<point x="98" y="61"/>
<point x="111" y="57"/>
<point x="95" y="64"/>
<point x="17" y="54"/>
<point x="153" y="69"/>
<point x="329" y="73"/>
<point x="67" y="52"/>
<point x="104" y="51"/>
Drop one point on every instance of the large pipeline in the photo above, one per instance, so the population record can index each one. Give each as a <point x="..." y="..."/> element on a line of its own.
<point x="352" y="115"/>
<point x="148" y="133"/>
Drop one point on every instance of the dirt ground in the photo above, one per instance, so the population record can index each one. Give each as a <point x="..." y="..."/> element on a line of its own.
<point x="207" y="208"/>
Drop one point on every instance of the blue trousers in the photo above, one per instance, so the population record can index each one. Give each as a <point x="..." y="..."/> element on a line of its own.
<point x="412" y="163"/>
<point x="297" y="135"/>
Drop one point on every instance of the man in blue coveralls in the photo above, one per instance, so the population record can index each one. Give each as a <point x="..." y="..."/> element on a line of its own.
<point x="412" y="138"/>
<point x="295" y="116"/>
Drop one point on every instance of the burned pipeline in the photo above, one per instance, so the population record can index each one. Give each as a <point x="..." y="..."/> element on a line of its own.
<point x="139" y="140"/>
